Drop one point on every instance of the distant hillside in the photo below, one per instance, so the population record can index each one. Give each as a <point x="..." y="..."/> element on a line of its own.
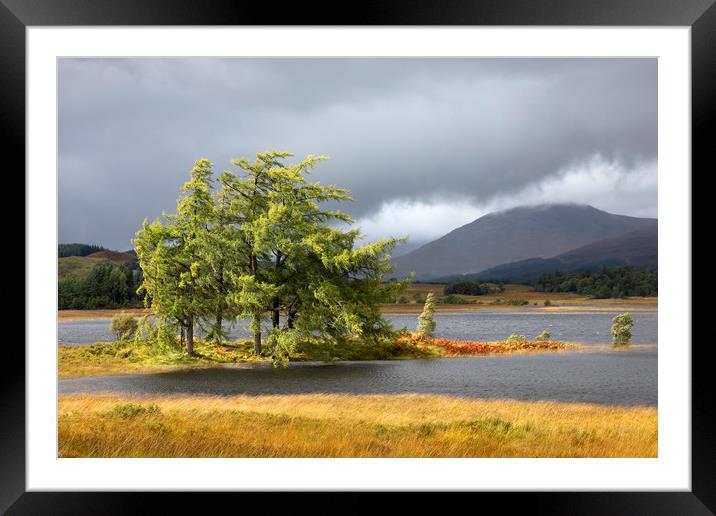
<point x="638" y="249"/>
<point x="514" y="235"/>
<point x="102" y="279"/>
<point x="75" y="266"/>
<point x="114" y="256"/>
<point x="64" y="250"/>
<point x="80" y="266"/>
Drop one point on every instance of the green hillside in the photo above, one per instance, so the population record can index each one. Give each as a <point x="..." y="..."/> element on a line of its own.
<point x="76" y="266"/>
<point x="80" y="266"/>
<point x="103" y="279"/>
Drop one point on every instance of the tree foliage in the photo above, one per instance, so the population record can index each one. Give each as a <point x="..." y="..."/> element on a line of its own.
<point x="171" y="255"/>
<point x="602" y="284"/>
<point x="545" y="335"/>
<point x="621" y="328"/>
<point x="259" y="240"/>
<point x="64" y="250"/>
<point x="468" y="288"/>
<point x="426" y="322"/>
<point x="106" y="286"/>
<point x="123" y="326"/>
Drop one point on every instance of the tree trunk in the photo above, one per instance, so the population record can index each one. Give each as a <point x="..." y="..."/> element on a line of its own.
<point x="181" y="336"/>
<point x="257" y="334"/>
<point x="190" y="337"/>
<point x="275" y="313"/>
<point x="217" y="328"/>
<point x="291" y="318"/>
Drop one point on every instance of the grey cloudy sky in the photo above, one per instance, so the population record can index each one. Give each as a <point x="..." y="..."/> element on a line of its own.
<point x="425" y="145"/>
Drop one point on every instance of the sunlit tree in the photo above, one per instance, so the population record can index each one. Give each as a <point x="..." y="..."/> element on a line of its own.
<point x="621" y="328"/>
<point x="299" y="259"/>
<point x="426" y="323"/>
<point x="261" y="241"/>
<point x="171" y="254"/>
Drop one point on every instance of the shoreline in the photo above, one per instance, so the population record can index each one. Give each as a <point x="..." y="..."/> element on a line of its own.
<point x="569" y="307"/>
<point x="148" y="368"/>
<point x="122" y="358"/>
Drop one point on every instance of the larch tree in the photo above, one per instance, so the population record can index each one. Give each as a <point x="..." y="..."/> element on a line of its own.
<point x="263" y="242"/>
<point x="426" y="322"/>
<point x="221" y="246"/>
<point x="300" y="261"/>
<point x="171" y="255"/>
<point x="621" y="329"/>
<point x="250" y="292"/>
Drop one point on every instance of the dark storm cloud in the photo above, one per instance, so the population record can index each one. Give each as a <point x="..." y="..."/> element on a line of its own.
<point x="405" y="135"/>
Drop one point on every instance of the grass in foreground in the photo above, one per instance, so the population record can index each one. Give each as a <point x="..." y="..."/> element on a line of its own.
<point x="128" y="357"/>
<point x="349" y="426"/>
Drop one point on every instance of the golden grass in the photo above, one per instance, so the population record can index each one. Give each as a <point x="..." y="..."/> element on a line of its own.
<point x="335" y="425"/>
<point x="72" y="363"/>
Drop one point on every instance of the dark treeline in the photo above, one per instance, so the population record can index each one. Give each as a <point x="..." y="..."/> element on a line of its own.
<point x="469" y="288"/>
<point x="602" y="284"/>
<point x="64" y="250"/>
<point x="106" y="286"/>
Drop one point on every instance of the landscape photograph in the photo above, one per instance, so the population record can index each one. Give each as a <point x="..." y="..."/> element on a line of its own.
<point x="357" y="258"/>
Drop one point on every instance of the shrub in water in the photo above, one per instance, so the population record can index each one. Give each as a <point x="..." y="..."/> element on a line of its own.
<point x="621" y="328"/>
<point x="545" y="335"/>
<point x="516" y="338"/>
<point x="123" y="326"/>
<point x="426" y="324"/>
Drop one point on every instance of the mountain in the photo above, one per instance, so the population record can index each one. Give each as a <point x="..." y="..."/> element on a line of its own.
<point x="638" y="249"/>
<point x="517" y="234"/>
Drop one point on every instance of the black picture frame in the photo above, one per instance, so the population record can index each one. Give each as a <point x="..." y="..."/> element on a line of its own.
<point x="700" y="15"/>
